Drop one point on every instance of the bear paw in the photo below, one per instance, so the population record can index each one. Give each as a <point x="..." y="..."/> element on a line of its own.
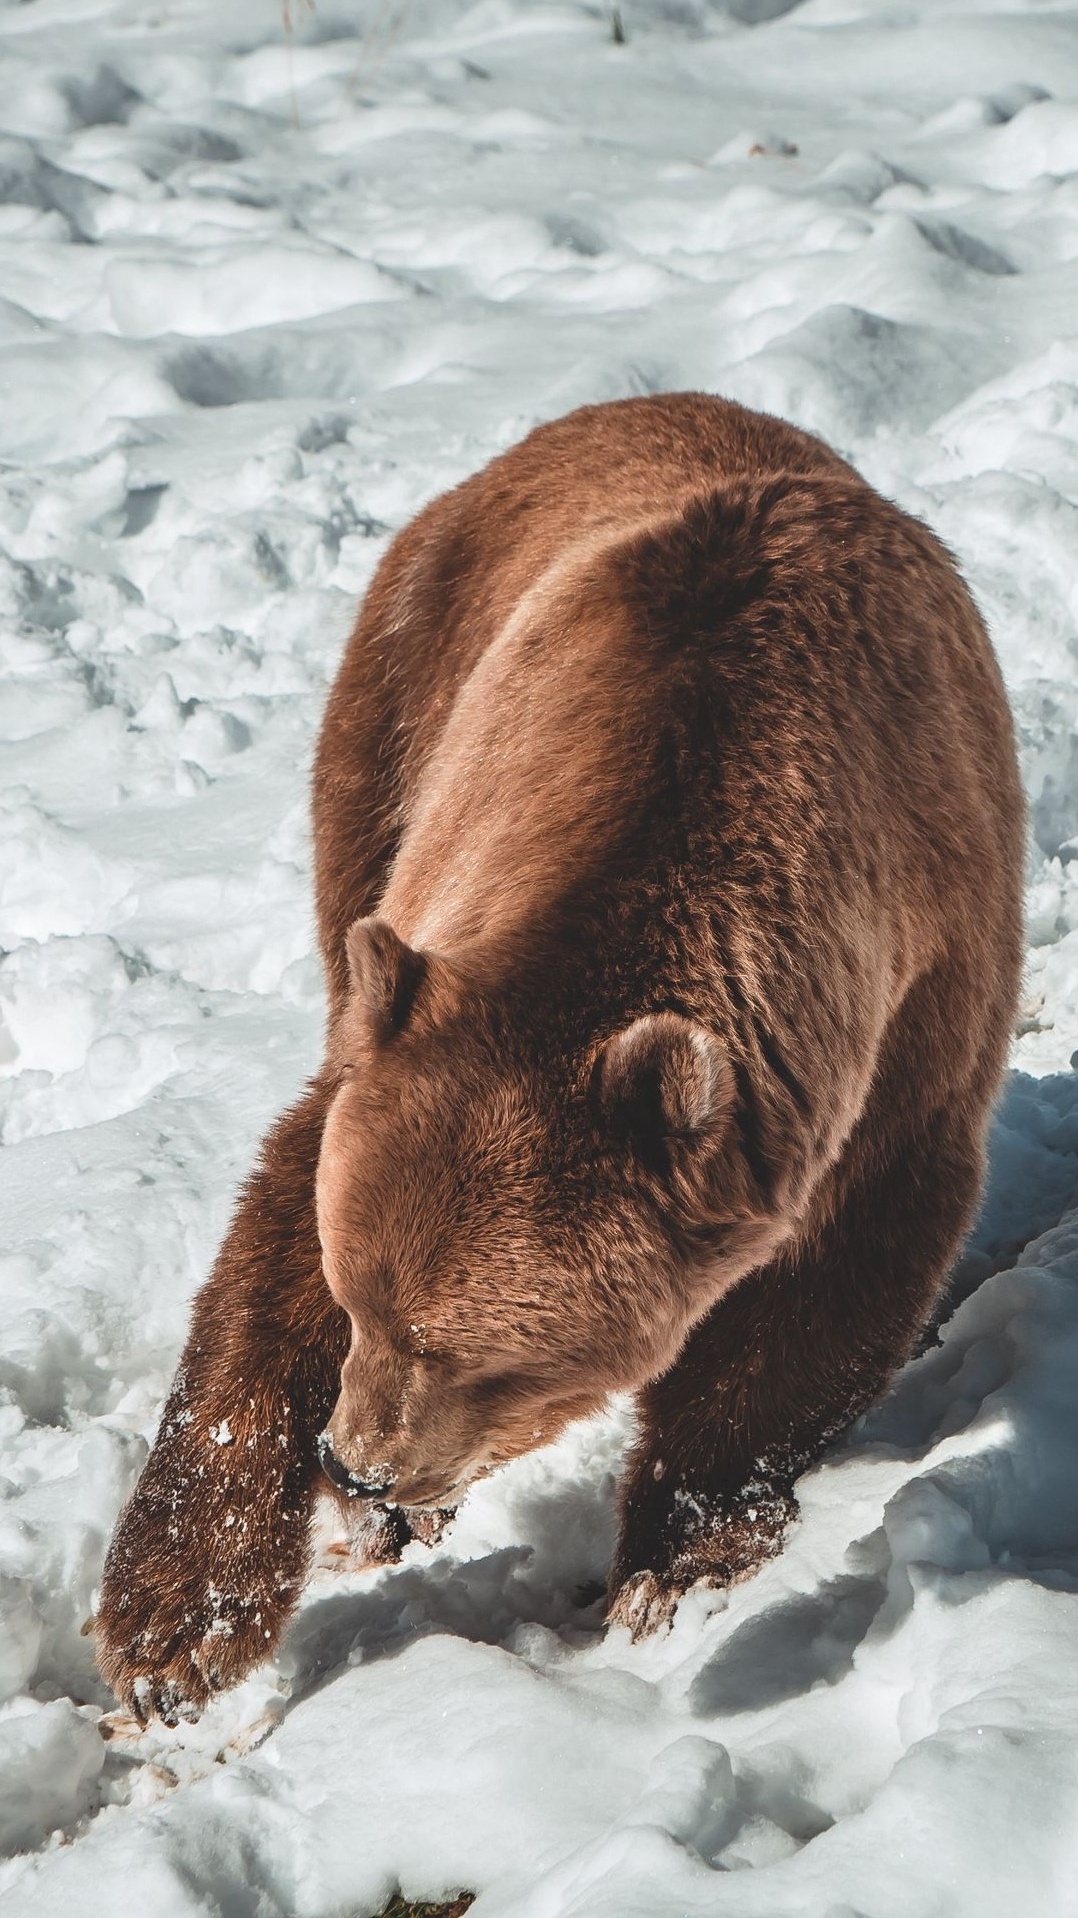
<point x="191" y="1600"/>
<point x="165" y="1653"/>
<point x="427" y="1523"/>
<point x="645" y="1604"/>
<point x="697" y="1542"/>
<point x="381" y="1532"/>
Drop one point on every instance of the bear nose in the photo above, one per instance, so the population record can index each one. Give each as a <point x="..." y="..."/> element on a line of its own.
<point x="346" y="1481"/>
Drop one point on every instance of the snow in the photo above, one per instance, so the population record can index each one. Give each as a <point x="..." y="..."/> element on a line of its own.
<point x="263" y="291"/>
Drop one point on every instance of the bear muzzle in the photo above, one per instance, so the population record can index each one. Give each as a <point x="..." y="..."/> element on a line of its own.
<point x="377" y="1482"/>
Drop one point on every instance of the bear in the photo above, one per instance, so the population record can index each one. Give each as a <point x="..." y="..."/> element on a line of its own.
<point x="668" y="847"/>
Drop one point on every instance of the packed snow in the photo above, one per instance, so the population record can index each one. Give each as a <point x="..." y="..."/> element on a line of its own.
<point x="267" y="283"/>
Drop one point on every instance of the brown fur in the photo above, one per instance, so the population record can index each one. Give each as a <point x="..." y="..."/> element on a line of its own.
<point x="668" y="844"/>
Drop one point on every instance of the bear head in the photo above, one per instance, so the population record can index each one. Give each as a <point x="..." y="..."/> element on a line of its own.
<point x="516" y="1227"/>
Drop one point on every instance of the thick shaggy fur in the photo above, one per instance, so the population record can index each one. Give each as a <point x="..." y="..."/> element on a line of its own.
<point x="668" y="844"/>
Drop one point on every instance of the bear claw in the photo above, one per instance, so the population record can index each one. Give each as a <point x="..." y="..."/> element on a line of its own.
<point x="645" y="1604"/>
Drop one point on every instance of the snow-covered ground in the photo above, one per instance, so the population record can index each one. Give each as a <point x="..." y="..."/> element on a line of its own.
<point x="262" y="292"/>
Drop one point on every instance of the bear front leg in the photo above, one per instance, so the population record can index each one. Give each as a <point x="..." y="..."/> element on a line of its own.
<point x="778" y="1368"/>
<point x="211" y="1550"/>
<point x="699" y="1506"/>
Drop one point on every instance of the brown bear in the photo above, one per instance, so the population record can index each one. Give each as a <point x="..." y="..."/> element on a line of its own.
<point x="668" y="843"/>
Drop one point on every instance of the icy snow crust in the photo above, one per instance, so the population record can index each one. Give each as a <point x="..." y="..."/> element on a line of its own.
<point x="260" y="298"/>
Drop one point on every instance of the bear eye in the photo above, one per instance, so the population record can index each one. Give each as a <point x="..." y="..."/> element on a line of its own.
<point x="499" y="1385"/>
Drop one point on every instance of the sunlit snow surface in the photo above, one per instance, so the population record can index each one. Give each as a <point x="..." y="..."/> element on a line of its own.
<point x="260" y="298"/>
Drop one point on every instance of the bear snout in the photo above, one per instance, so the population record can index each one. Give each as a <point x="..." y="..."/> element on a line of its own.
<point x="377" y="1482"/>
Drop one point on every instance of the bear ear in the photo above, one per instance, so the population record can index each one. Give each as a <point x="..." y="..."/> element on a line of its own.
<point x="386" y="974"/>
<point x="664" y="1078"/>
